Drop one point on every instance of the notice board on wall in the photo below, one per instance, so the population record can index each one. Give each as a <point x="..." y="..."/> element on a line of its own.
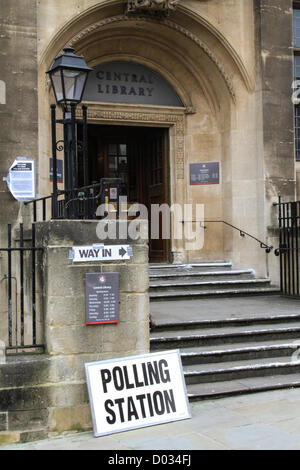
<point x="137" y="391"/>
<point x="204" y="173"/>
<point x="21" y="179"/>
<point x="102" y="298"/>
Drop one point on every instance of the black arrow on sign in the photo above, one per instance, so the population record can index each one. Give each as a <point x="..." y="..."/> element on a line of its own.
<point x="122" y="252"/>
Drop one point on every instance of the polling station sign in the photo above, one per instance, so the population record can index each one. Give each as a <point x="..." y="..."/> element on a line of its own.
<point x="136" y="391"/>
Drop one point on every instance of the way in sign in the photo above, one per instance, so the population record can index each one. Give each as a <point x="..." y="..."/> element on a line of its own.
<point x="94" y="253"/>
<point x="100" y="253"/>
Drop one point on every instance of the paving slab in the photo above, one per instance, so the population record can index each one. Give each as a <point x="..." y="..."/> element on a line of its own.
<point x="261" y="421"/>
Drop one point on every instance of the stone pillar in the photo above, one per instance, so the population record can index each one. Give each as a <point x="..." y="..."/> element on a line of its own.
<point x="18" y="104"/>
<point x="18" y="107"/>
<point x="70" y="343"/>
<point x="274" y="39"/>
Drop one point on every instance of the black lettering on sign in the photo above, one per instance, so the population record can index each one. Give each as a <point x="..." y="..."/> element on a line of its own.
<point x="132" y="412"/>
<point x="112" y="418"/>
<point x="153" y="373"/>
<point x="137" y="375"/>
<point x="84" y="253"/>
<point x="132" y="91"/>
<point x="150" y="91"/>
<point x="100" y="75"/>
<point x="158" y="401"/>
<point x="169" y="400"/>
<point x="118" y="378"/>
<point x="141" y="399"/>
<point x="107" y="253"/>
<point x="164" y="373"/>
<point x="106" y="378"/>
<point x="140" y="406"/>
<point x="120" y="402"/>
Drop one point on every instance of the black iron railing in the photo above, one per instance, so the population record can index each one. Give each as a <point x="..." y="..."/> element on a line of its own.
<point x="243" y="233"/>
<point x="23" y="307"/>
<point x="80" y="204"/>
<point x="289" y="244"/>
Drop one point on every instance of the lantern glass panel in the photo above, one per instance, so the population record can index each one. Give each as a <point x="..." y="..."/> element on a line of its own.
<point x="57" y="85"/>
<point x="74" y="82"/>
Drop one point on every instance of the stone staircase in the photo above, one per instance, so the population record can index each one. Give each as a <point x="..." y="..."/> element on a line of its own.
<point x="204" y="279"/>
<point x="229" y="346"/>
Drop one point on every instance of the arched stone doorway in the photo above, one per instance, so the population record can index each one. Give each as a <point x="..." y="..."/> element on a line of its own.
<point x="213" y="86"/>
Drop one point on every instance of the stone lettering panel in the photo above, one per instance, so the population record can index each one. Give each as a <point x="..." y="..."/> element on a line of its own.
<point x="130" y="83"/>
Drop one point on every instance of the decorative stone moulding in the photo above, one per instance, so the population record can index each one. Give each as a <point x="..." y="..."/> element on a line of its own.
<point x="170" y="24"/>
<point x="152" y="7"/>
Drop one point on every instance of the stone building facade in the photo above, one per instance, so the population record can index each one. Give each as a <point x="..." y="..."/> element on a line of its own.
<point x="231" y="71"/>
<point x="178" y="83"/>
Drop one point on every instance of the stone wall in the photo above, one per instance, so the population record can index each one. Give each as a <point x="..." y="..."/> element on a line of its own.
<point x="45" y="394"/>
<point x="19" y="114"/>
<point x="274" y="38"/>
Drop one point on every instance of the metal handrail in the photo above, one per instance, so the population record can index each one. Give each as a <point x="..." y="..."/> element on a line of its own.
<point x="263" y="245"/>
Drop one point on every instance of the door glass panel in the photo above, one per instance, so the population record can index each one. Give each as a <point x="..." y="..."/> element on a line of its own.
<point x="112" y="149"/>
<point x="113" y="163"/>
<point x="123" y="149"/>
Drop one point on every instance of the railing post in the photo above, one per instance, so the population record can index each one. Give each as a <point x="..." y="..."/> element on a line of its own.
<point x="33" y="285"/>
<point x="85" y="147"/>
<point x="22" y="283"/>
<point x="54" y="160"/>
<point x="9" y="300"/>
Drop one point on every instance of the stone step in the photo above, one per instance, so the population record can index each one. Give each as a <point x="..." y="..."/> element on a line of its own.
<point x="225" y="292"/>
<point x="238" y="351"/>
<point x="212" y="284"/>
<point x="167" y="281"/>
<point x="212" y="390"/>
<point x="225" y="322"/>
<point x="226" y="335"/>
<point x="196" y="275"/>
<point x="167" y="267"/>
<point x="235" y="370"/>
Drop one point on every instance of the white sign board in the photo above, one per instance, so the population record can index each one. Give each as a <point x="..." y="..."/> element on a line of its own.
<point x="83" y="254"/>
<point x="137" y="391"/>
<point x="21" y="179"/>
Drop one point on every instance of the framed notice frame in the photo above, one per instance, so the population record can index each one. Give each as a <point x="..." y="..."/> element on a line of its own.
<point x="137" y="391"/>
<point x="102" y="298"/>
<point x="204" y="173"/>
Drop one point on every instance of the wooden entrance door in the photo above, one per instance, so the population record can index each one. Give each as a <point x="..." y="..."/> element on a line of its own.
<point x="137" y="155"/>
<point x="156" y="194"/>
